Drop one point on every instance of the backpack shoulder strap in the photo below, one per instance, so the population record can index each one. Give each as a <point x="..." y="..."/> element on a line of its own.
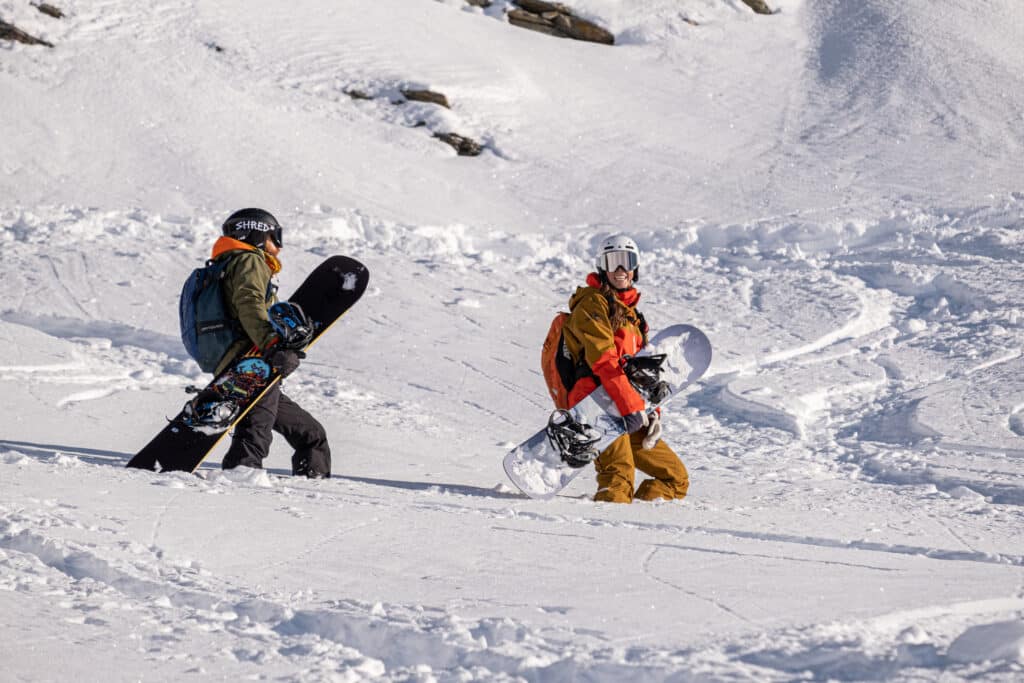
<point x="571" y="369"/>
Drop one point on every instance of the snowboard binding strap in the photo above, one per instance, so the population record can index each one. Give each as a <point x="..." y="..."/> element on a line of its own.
<point x="573" y="440"/>
<point x="294" y="329"/>
<point x="644" y="373"/>
<point x="209" y="411"/>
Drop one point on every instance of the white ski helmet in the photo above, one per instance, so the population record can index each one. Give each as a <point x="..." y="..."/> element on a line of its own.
<point x="616" y="251"/>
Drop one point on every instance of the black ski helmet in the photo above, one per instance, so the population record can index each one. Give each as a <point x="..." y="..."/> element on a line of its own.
<point x="253" y="226"/>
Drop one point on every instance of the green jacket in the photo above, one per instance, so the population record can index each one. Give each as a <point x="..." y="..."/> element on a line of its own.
<point x="248" y="293"/>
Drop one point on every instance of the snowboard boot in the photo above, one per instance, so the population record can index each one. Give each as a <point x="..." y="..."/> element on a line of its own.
<point x="300" y="468"/>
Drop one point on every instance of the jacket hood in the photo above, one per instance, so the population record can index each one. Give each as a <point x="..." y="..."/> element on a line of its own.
<point x="226" y="244"/>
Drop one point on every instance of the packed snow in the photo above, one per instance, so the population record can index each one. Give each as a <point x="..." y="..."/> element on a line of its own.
<point x="834" y="193"/>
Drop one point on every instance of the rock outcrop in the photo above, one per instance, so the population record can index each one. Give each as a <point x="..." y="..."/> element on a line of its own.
<point x="557" y="20"/>
<point x="428" y="96"/>
<point x="49" y="10"/>
<point x="759" y="6"/>
<point x="11" y="32"/>
<point x="465" y="147"/>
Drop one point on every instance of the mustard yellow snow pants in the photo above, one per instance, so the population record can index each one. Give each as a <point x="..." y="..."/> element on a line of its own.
<point x="617" y="466"/>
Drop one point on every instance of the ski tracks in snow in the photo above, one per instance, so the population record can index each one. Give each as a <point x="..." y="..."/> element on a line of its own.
<point x="830" y="373"/>
<point x="209" y="601"/>
<point x="800" y="387"/>
<point x="902" y="364"/>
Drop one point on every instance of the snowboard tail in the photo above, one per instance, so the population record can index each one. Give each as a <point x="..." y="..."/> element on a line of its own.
<point x="329" y="291"/>
<point x="538" y="466"/>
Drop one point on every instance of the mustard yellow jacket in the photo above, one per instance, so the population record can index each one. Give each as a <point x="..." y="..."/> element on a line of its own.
<point x="590" y="338"/>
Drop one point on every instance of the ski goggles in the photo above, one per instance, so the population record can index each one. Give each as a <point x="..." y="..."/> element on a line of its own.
<point x="613" y="260"/>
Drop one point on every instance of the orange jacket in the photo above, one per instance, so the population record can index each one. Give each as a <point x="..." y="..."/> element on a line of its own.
<point x="589" y="337"/>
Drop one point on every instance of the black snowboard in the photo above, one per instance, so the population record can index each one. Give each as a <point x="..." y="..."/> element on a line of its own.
<point x="327" y="293"/>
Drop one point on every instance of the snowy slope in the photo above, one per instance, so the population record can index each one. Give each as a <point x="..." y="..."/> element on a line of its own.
<point x="833" y="193"/>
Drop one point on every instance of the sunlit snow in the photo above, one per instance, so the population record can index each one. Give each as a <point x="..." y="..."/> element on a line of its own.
<point x="833" y="193"/>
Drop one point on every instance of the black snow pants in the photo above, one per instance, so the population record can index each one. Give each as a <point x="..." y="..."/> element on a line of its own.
<point x="275" y="412"/>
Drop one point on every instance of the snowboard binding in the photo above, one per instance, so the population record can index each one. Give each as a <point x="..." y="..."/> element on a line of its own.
<point x="216" y="407"/>
<point x="293" y="328"/>
<point x="209" y="410"/>
<point x="573" y="440"/>
<point x="644" y="373"/>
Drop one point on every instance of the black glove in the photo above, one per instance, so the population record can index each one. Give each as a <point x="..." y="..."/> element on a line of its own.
<point x="659" y="392"/>
<point x="285" y="361"/>
<point x="636" y="421"/>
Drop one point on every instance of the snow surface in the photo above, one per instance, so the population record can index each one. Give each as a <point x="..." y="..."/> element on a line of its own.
<point x="833" y="193"/>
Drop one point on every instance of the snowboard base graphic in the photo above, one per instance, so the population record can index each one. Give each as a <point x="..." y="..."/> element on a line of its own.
<point x="536" y="466"/>
<point x="329" y="291"/>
